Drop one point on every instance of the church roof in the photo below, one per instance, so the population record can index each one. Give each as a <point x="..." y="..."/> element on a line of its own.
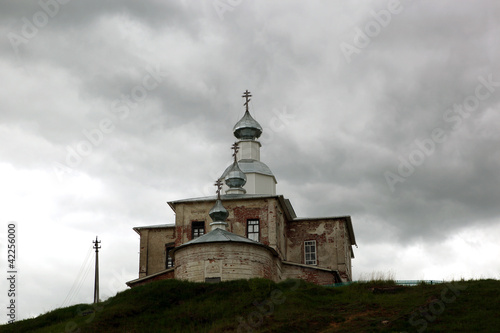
<point x="156" y="226"/>
<point x="221" y="236"/>
<point x="287" y="206"/>
<point x="247" y="128"/>
<point x="252" y="166"/>
<point x="234" y="177"/>
<point x="218" y="213"/>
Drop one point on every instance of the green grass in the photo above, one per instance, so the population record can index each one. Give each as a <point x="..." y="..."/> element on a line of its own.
<point x="259" y="305"/>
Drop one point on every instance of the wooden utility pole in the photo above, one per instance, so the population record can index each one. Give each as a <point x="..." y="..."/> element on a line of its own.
<point x="96" y="281"/>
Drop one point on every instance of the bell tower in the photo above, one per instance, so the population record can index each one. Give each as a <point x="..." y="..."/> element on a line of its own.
<point x="259" y="178"/>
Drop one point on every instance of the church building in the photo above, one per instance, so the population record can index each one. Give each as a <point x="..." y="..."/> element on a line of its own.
<point x="247" y="231"/>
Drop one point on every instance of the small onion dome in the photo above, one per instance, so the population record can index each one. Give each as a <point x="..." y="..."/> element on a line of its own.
<point x="247" y="128"/>
<point x="218" y="213"/>
<point x="235" y="178"/>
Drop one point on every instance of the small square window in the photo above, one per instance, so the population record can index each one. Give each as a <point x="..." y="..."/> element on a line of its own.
<point x="310" y="252"/>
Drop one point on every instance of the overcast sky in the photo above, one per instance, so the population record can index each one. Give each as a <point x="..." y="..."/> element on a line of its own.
<point x="385" y="111"/>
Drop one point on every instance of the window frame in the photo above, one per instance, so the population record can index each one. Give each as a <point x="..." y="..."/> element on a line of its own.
<point x="197" y="225"/>
<point x="307" y="245"/>
<point x="253" y="232"/>
<point x="169" y="261"/>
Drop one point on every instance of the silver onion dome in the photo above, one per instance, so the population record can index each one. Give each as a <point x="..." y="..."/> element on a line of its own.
<point x="247" y="128"/>
<point x="218" y="213"/>
<point x="235" y="178"/>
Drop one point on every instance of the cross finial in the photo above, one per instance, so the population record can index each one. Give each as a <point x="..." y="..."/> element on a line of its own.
<point x="218" y="183"/>
<point x="247" y="96"/>
<point x="96" y="244"/>
<point x="236" y="148"/>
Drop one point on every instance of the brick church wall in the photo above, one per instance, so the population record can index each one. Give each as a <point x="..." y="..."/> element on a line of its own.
<point x="225" y="260"/>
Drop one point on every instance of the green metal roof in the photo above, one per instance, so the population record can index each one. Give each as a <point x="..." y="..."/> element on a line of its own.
<point x="222" y="236"/>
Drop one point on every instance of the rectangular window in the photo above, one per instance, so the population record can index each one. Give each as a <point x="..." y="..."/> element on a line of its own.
<point x="253" y="231"/>
<point x="197" y="229"/>
<point x="169" y="262"/>
<point x="310" y="252"/>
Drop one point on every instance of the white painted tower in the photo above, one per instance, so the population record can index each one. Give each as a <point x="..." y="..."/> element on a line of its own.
<point x="259" y="178"/>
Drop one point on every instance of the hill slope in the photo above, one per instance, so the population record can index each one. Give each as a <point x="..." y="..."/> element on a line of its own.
<point x="260" y="305"/>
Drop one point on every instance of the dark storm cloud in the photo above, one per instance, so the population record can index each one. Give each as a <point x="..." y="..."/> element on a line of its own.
<point x="79" y="14"/>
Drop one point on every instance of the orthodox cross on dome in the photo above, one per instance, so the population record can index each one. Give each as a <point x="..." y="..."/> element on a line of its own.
<point x="247" y="96"/>
<point x="236" y="148"/>
<point x="218" y="183"/>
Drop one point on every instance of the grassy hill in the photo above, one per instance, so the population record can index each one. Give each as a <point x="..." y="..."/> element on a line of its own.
<point x="260" y="305"/>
